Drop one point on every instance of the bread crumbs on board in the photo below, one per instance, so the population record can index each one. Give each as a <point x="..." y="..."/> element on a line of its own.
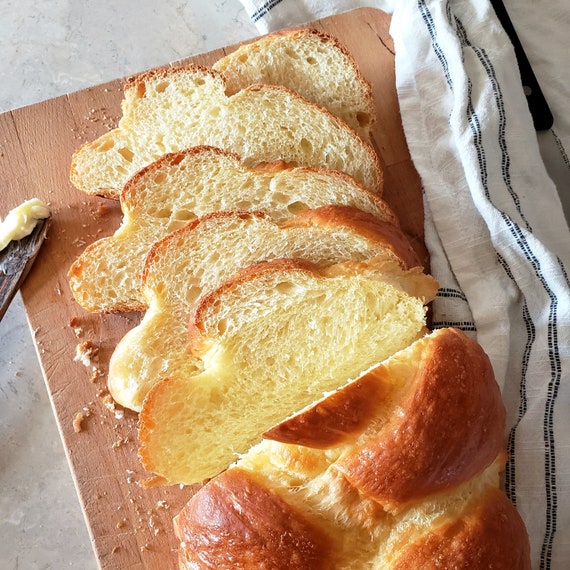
<point x="86" y="352"/>
<point x="77" y="422"/>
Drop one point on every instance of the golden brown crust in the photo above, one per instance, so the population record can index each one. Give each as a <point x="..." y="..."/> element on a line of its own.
<point x="326" y="38"/>
<point x="459" y="519"/>
<point x="338" y="418"/>
<point x="146" y="422"/>
<point x="131" y="189"/>
<point x="236" y="522"/>
<point x="137" y="83"/>
<point x="157" y="250"/>
<point x="386" y="233"/>
<point x="491" y="535"/>
<point x="451" y="427"/>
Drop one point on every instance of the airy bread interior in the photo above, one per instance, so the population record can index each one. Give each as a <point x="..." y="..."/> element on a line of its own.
<point x="167" y="110"/>
<point x="183" y="186"/>
<point x="278" y="335"/>
<point x="203" y="254"/>
<point x="304" y="61"/>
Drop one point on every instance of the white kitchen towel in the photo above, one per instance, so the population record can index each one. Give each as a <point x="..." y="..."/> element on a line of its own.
<point x="497" y="237"/>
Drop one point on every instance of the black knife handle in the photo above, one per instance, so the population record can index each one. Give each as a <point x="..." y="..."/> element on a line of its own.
<point x="539" y="109"/>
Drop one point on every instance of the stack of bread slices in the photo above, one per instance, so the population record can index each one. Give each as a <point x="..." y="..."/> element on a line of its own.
<point x="284" y="354"/>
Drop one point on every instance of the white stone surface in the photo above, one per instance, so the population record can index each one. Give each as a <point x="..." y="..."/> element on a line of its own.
<point x="49" y="48"/>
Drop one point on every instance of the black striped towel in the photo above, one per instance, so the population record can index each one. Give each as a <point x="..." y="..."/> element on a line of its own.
<point x="498" y="240"/>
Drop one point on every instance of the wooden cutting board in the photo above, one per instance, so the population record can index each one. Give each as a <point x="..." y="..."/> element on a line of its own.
<point x="131" y="526"/>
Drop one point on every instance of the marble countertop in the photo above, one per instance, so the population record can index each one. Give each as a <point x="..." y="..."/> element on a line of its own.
<point x="47" y="49"/>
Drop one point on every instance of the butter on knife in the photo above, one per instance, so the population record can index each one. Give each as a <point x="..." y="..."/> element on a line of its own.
<point x="21" y="221"/>
<point x="21" y="235"/>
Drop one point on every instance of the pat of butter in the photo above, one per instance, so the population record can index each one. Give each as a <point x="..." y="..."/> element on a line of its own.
<point x="22" y="220"/>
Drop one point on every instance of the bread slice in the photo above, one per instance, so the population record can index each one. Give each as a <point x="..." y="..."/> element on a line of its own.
<point x="272" y="340"/>
<point x="182" y="186"/>
<point x="312" y="63"/>
<point x="167" y="110"/>
<point x="398" y="469"/>
<point x="202" y="255"/>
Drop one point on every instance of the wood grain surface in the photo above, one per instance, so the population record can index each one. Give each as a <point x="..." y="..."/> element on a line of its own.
<point x="130" y="525"/>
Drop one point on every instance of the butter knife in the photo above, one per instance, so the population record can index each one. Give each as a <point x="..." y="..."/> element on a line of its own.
<point x="16" y="260"/>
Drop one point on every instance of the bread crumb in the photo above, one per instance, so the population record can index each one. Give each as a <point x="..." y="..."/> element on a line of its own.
<point x="96" y="373"/>
<point x="85" y="352"/>
<point x="151" y="482"/>
<point x="77" y="420"/>
<point x="155" y="529"/>
<point x="122" y="523"/>
<point x="120" y="442"/>
<point x="115" y="549"/>
<point x="108" y="402"/>
<point x="102" y="210"/>
<point x="74" y="324"/>
<point x="79" y="417"/>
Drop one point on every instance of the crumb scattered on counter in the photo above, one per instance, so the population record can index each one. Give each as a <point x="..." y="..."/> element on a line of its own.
<point x="150" y="482"/>
<point x="74" y="324"/>
<point x="86" y="352"/>
<point x="109" y="403"/>
<point x="79" y="418"/>
<point x="102" y="210"/>
<point x="77" y="421"/>
<point x="152" y="523"/>
<point x="96" y="373"/>
<point x="121" y="441"/>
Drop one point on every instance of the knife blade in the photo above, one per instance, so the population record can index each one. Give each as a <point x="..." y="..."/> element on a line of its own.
<point x="16" y="261"/>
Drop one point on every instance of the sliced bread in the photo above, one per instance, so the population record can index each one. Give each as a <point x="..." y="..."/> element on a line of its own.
<point x="399" y="469"/>
<point x="305" y="61"/>
<point x="270" y="341"/>
<point x="203" y="254"/>
<point x="180" y="187"/>
<point x="167" y="110"/>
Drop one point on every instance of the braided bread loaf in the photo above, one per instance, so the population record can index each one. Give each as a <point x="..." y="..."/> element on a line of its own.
<point x="398" y="470"/>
